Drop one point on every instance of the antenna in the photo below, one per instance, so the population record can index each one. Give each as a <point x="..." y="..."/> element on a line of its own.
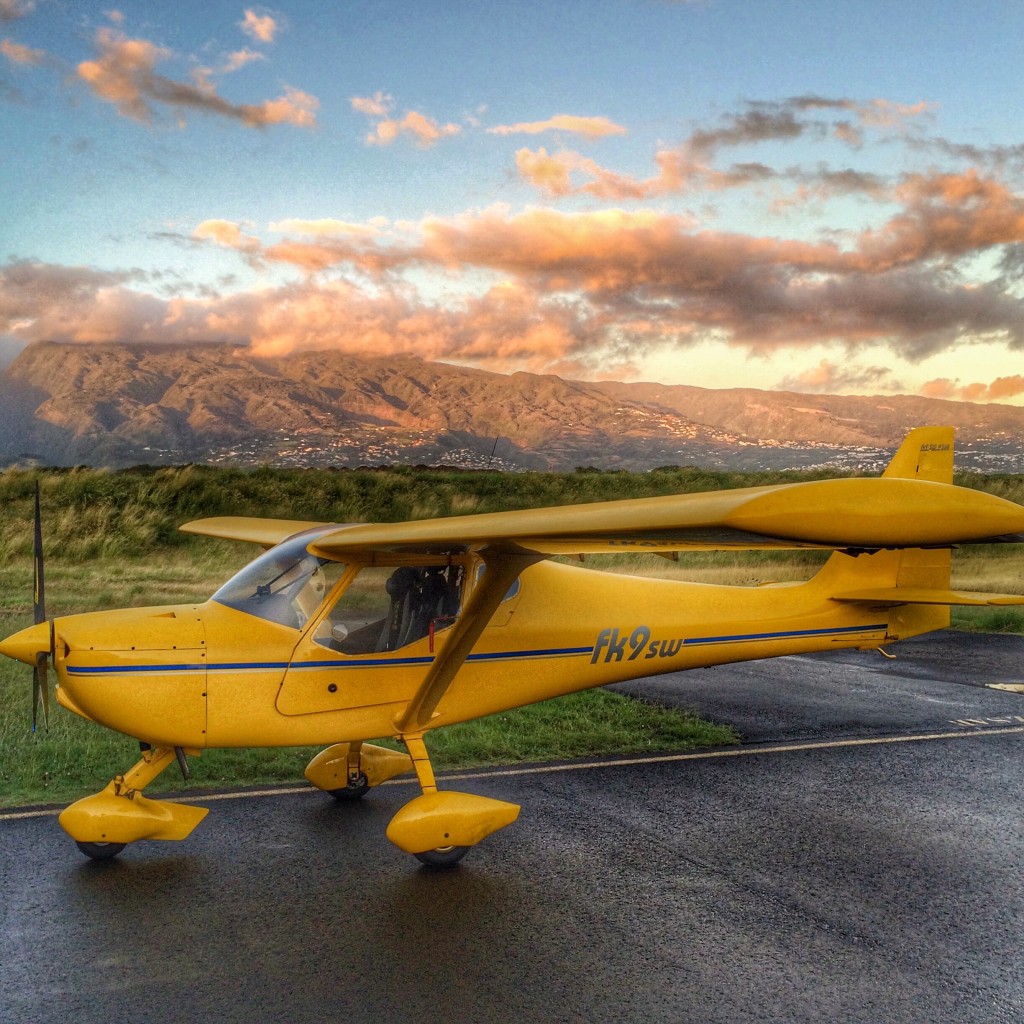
<point x="493" y="450"/>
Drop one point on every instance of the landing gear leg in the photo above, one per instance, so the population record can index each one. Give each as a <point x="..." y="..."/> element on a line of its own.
<point x="439" y="828"/>
<point x="347" y="770"/>
<point x="103" y="824"/>
<point x="441" y="856"/>
<point x="358" y="785"/>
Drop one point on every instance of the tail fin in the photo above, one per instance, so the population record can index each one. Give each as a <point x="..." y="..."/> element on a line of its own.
<point x="911" y="585"/>
<point x="926" y="454"/>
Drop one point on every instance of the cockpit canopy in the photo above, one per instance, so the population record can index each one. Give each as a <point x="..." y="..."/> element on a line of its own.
<point x="285" y="584"/>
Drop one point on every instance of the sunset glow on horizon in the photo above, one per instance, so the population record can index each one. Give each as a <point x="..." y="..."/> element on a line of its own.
<point x="796" y="196"/>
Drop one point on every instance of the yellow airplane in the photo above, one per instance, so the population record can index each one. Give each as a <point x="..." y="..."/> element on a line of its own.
<point x="338" y="634"/>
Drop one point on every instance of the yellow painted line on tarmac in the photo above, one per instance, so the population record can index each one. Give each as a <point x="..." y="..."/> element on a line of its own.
<point x="1011" y="687"/>
<point x="548" y="769"/>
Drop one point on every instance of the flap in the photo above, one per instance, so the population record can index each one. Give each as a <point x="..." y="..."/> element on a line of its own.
<point x="918" y="595"/>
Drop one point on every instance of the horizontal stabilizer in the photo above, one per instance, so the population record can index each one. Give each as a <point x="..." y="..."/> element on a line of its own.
<point x="920" y="595"/>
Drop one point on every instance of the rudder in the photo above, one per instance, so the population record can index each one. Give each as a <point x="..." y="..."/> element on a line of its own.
<point x="925" y="454"/>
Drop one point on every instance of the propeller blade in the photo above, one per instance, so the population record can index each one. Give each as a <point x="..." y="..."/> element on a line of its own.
<point x="41" y="683"/>
<point x="39" y="591"/>
<point x="35" y="695"/>
<point x="40" y="674"/>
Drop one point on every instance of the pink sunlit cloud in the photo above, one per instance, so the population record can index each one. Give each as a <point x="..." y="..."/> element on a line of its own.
<point x="998" y="390"/>
<point x="18" y="54"/>
<point x="226" y="233"/>
<point x="377" y="105"/>
<point x="621" y="282"/>
<point x="261" y="27"/>
<point x="424" y="130"/>
<point x="124" y="75"/>
<point x="240" y="59"/>
<point x="592" y="127"/>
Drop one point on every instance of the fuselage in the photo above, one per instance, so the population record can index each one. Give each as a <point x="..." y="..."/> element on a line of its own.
<point x="216" y="675"/>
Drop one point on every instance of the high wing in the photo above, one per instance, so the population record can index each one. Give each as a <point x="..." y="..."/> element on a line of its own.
<point x="266" y="532"/>
<point x="850" y="514"/>
<point x="912" y="505"/>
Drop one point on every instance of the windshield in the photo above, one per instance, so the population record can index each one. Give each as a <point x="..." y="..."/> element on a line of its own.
<point x="285" y="584"/>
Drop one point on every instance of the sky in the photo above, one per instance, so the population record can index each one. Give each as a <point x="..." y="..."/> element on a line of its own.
<point x="794" y="195"/>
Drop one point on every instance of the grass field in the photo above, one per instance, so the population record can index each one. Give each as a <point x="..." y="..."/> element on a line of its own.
<point x="111" y="541"/>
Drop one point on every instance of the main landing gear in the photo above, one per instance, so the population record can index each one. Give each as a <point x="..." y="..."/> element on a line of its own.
<point x="104" y="823"/>
<point x="438" y="828"/>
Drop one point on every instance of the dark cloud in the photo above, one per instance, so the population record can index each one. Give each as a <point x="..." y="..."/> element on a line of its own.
<point x="829" y="377"/>
<point x="11" y="10"/>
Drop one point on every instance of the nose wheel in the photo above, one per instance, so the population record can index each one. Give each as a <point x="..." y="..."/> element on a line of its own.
<point x="104" y="823"/>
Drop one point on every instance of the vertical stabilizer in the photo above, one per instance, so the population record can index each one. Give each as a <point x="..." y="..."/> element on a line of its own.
<point x="926" y="454"/>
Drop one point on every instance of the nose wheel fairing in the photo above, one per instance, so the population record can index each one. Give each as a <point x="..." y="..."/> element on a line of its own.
<point x="120" y="814"/>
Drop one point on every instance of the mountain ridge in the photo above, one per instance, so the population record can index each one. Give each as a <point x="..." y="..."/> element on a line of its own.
<point x="116" y="404"/>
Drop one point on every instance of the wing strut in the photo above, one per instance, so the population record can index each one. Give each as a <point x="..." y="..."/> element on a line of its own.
<point x="502" y="570"/>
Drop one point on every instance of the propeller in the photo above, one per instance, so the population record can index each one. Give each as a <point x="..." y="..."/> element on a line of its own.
<point x="40" y="680"/>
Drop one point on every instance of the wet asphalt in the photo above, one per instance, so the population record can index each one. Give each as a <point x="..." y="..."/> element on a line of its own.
<point x="858" y="860"/>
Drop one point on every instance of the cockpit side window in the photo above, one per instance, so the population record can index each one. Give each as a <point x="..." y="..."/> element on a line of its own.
<point x="385" y="608"/>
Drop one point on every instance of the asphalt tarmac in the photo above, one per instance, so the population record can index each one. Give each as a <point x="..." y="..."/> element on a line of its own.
<point x="858" y="859"/>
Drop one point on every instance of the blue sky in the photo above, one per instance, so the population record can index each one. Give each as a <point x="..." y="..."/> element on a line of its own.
<point x="821" y="197"/>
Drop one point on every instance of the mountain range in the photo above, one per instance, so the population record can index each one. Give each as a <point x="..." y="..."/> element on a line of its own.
<point x="123" y="404"/>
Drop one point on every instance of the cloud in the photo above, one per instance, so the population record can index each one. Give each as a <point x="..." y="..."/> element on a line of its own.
<point x="691" y="166"/>
<point x="996" y="391"/>
<point x="11" y="10"/>
<point x="124" y="75"/>
<point x="261" y="27"/>
<point x="325" y="226"/>
<point x="240" y="59"/>
<point x="601" y="287"/>
<point x="592" y="127"/>
<point x="377" y="105"/>
<point x="18" y="54"/>
<point x="651" y="277"/>
<point x="424" y="130"/>
<point x="752" y="126"/>
<point x="40" y="301"/>
<point x="294" y="107"/>
<point x="615" y="283"/>
<point x="830" y="378"/>
<point x="505" y="327"/>
<point x="939" y="264"/>
<point x="226" y="233"/>
<point x="944" y="215"/>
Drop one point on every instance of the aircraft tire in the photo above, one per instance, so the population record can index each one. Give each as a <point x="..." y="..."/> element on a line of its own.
<point x="351" y="792"/>
<point x="100" y="851"/>
<point x="443" y="856"/>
